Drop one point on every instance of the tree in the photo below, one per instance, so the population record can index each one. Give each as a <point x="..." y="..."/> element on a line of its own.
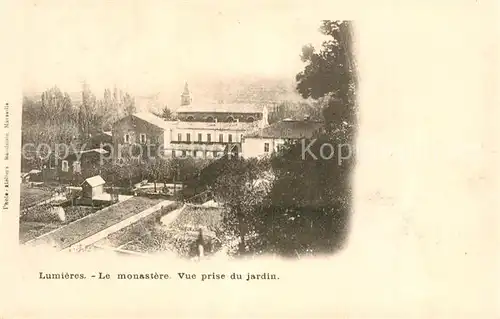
<point x="158" y="169"/>
<point x="331" y="74"/>
<point x="242" y="188"/>
<point x="88" y="119"/>
<point x="310" y="199"/>
<point x="167" y="114"/>
<point x="128" y="104"/>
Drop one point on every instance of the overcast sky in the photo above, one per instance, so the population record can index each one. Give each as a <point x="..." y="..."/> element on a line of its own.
<point x="142" y="46"/>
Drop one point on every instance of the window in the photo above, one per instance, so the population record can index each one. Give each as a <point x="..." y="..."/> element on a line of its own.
<point x="199" y="137"/>
<point x="188" y="137"/>
<point x="209" y="137"/>
<point x="214" y="153"/>
<point x="127" y="138"/>
<point x="241" y="138"/>
<point x="64" y="166"/>
<point x="77" y="167"/>
<point x="230" y="119"/>
<point x="210" y="119"/>
<point x="190" y="118"/>
<point x="266" y="147"/>
<point x="195" y="153"/>
<point x="183" y="153"/>
<point x="251" y="119"/>
<point x="143" y="138"/>
<point x="179" y="137"/>
<point x="221" y="138"/>
<point x="230" y="138"/>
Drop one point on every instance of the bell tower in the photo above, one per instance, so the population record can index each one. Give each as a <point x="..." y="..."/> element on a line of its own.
<point x="186" y="98"/>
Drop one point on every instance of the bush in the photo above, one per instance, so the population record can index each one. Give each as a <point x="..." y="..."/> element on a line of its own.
<point x="76" y="212"/>
<point x="41" y="214"/>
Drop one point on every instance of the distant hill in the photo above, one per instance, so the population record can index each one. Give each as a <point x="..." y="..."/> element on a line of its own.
<point x="249" y="89"/>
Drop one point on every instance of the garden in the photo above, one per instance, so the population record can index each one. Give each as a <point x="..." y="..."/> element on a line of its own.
<point x="179" y="237"/>
<point x="32" y="195"/>
<point x="74" y="232"/>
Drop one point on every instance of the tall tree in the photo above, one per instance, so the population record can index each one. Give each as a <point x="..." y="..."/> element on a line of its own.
<point x="330" y="74"/>
<point x="88" y="118"/>
<point x="310" y="199"/>
<point x="128" y="104"/>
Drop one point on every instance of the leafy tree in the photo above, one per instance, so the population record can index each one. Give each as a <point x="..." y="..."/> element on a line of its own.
<point x="88" y="119"/>
<point x="310" y="199"/>
<point x="128" y="104"/>
<point x="330" y="74"/>
<point x="242" y="189"/>
<point x="158" y="170"/>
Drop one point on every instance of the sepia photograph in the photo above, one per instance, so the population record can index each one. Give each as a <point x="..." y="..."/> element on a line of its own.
<point x="248" y="159"/>
<point x="223" y="144"/>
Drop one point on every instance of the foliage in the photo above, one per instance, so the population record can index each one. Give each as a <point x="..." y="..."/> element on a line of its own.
<point x="295" y="110"/>
<point x="32" y="195"/>
<point x="54" y="118"/>
<point x="330" y="74"/>
<point x="237" y="188"/>
<point x="304" y="205"/>
<point x="196" y="217"/>
<point x="166" y="114"/>
<point x="310" y="199"/>
<point x="40" y="213"/>
<point x="73" y="213"/>
<point x="149" y="238"/>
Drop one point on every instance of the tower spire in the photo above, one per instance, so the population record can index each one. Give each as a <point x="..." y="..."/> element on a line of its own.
<point x="186" y="95"/>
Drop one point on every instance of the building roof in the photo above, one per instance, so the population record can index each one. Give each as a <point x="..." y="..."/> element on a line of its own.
<point x="288" y="129"/>
<point x="151" y="118"/>
<point x="94" y="181"/>
<point x="221" y="108"/>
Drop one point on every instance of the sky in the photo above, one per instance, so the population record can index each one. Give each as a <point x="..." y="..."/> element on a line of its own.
<point x="143" y="46"/>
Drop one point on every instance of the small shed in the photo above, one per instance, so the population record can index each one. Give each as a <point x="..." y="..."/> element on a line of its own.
<point x="93" y="187"/>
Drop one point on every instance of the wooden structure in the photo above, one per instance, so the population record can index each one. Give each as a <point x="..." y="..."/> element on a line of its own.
<point x="93" y="187"/>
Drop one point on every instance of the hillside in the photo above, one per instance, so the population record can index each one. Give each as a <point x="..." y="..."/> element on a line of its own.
<point x="208" y="89"/>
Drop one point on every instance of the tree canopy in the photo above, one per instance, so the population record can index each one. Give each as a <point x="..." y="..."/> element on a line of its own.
<point x="305" y="207"/>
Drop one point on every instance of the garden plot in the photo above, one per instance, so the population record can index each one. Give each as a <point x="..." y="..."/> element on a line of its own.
<point x="41" y="219"/>
<point x="92" y="224"/>
<point x="181" y="234"/>
<point x="134" y="231"/>
<point x="30" y="196"/>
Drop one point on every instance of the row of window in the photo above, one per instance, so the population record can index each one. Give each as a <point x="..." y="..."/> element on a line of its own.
<point x="228" y="119"/>
<point x="208" y="137"/>
<point x="196" y="153"/>
<point x="143" y="138"/>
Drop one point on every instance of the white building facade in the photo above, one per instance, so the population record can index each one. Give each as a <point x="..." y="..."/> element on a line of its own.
<point x="268" y="140"/>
